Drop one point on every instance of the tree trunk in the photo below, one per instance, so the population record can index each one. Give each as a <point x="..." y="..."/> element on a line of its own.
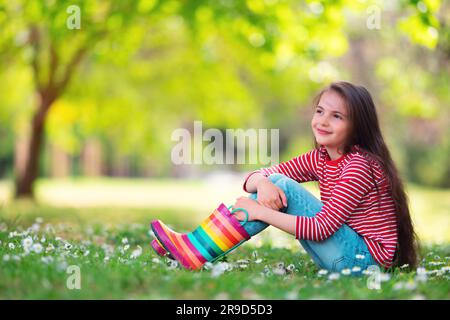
<point x="25" y="179"/>
<point x="92" y="158"/>
<point x="61" y="162"/>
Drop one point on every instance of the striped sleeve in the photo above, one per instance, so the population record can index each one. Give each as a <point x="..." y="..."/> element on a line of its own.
<point x="300" y="169"/>
<point x="354" y="184"/>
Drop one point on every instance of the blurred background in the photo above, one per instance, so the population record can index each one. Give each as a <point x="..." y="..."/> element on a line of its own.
<point x="91" y="92"/>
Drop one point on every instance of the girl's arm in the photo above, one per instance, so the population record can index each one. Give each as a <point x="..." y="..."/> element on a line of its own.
<point x="300" y="169"/>
<point x="280" y="220"/>
<point x="253" y="180"/>
<point x="348" y="192"/>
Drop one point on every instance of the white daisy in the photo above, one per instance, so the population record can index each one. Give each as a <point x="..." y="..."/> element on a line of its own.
<point x="173" y="264"/>
<point x="34" y="228"/>
<point x="333" y="276"/>
<point x="11" y="246"/>
<point x="218" y="269"/>
<point x="346" y="271"/>
<point x="360" y="256"/>
<point x="242" y="261"/>
<point x="27" y="242"/>
<point x="445" y="269"/>
<point x="322" y="272"/>
<point x="136" y="253"/>
<point x="208" y="265"/>
<point x="37" y="247"/>
<point x="421" y="275"/>
<point x="280" y="270"/>
<point x="156" y="260"/>
<point x="356" y="269"/>
<point x="384" y="277"/>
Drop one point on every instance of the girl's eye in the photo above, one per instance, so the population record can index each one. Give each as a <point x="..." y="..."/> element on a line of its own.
<point x="337" y="116"/>
<point x="318" y="111"/>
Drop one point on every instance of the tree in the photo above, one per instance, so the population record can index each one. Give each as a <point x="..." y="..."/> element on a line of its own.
<point x="54" y="38"/>
<point x="57" y="36"/>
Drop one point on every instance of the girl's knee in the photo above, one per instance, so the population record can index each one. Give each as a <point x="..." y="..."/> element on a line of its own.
<point x="275" y="177"/>
<point x="286" y="183"/>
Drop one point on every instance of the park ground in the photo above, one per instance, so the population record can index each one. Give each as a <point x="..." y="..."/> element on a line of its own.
<point x="100" y="229"/>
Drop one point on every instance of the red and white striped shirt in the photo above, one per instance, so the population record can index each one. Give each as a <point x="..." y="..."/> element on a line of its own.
<point x="347" y="190"/>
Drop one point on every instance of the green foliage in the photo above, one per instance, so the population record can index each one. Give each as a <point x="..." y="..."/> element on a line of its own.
<point x="422" y="25"/>
<point x="148" y="67"/>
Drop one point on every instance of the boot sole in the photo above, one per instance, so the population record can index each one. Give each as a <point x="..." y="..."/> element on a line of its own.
<point x="159" y="249"/>
<point x="165" y="241"/>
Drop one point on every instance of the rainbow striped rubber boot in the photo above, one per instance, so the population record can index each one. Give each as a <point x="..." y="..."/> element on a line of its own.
<point x="217" y="235"/>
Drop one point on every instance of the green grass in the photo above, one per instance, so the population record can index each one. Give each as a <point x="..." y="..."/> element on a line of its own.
<point x="97" y="232"/>
<point x="43" y="275"/>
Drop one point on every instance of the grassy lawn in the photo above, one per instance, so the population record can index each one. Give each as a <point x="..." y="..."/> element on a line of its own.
<point x="102" y="228"/>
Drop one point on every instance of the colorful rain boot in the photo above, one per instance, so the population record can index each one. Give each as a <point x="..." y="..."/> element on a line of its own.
<point x="217" y="235"/>
<point x="159" y="249"/>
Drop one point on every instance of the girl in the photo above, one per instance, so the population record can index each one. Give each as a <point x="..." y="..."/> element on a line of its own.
<point x="362" y="219"/>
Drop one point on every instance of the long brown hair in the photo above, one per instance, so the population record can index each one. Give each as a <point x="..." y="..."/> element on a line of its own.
<point x="365" y="132"/>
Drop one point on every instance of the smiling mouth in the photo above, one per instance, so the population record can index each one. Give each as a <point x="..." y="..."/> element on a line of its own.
<point x="323" y="132"/>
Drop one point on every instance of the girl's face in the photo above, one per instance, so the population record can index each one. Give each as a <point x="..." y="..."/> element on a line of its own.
<point x="330" y="123"/>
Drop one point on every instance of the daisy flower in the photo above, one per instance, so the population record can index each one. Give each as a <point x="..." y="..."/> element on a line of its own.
<point x="27" y="242"/>
<point x="333" y="276"/>
<point x="346" y="272"/>
<point x="37" y="247"/>
<point x="322" y="272"/>
<point x="356" y="269"/>
<point x="136" y="253"/>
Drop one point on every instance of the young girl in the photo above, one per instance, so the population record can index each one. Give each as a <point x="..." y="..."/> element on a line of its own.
<point x="362" y="219"/>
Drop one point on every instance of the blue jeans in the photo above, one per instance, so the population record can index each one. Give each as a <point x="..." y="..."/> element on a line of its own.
<point x="337" y="252"/>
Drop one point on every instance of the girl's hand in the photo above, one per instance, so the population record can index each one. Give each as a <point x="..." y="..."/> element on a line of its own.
<point x="248" y="204"/>
<point x="271" y="196"/>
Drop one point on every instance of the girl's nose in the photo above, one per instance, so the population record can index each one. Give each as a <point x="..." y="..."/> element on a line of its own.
<point x="324" y="122"/>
